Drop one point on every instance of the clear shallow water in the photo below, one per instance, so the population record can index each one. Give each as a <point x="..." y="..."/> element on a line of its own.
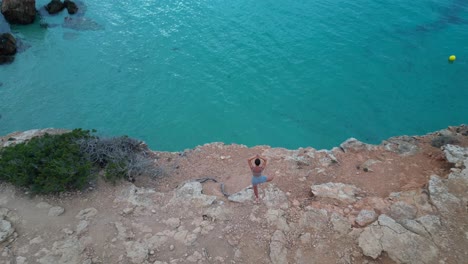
<point x="177" y="74"/>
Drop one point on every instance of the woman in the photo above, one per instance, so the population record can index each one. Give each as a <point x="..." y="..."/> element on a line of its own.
<point x="257" y="168"/>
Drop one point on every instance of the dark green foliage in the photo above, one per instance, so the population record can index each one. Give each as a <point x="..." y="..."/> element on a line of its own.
<point x="48" y="164"/>
<point x="443" y="140"/>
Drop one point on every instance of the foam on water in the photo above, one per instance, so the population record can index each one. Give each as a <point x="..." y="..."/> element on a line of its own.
<point x="181" y="73"/>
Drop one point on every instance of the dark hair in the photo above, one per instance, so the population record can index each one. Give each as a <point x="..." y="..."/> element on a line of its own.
<point x="257" y="162"/>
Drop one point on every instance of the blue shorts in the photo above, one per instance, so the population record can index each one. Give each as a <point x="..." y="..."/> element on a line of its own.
<point x="258" y="179"/>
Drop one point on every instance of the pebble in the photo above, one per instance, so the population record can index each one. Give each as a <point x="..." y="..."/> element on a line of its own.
<point x="171" y="247"/>
<point x="151" y="252"/>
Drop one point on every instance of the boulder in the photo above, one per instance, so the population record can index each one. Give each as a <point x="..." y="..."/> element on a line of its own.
<point x="56" y="211"/>
<point x="456" y="154"/>
<point x="445" y="202"/>
<point x="71" y="7"/>
<point x="339" y="191"/>
<point x="404" y="145"/>
<point x="6" y="229"/>
<point x="401" y="245"/>
<point x="352" y="144"/>
<point x="366" y="217"/>
<point x="7" y="48"/>
<point x="19" y="11"/>
<point x="54" y="7"/>
<point x="242" y="196"/>
<point x="278" y="251"/>
<point x="190" y="193"/>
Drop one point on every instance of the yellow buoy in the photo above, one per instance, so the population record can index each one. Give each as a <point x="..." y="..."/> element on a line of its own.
<point x="452" y="58"/>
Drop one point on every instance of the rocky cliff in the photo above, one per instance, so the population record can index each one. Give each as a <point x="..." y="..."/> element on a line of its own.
<point x="403" y="201"/>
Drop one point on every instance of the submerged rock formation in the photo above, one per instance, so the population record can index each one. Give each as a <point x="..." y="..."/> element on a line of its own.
<point x="7" y="48"/>
<point x="19" y="11"/>
<point x="54" y="7"/>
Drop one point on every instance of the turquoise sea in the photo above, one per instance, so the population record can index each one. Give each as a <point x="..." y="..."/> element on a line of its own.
<point x="291" y="74"/>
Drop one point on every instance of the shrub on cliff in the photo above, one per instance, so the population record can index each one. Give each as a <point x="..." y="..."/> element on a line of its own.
<point x="56" y="163"/>
<point x="48" y="164"/>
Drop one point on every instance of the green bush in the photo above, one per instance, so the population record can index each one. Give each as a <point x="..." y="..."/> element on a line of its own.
<point x="48" y="164"/>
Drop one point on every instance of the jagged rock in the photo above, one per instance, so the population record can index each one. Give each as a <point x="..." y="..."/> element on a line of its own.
<point x="7" y="47"/>
<point x="63" y="252"/>
<point x="87" y="213"/>
<point x="314" y="218"/>
<point x="456" y="155"/>
<point x="404" y="145"/>
<point x="6" y="230"/>
<point x="19" y="11"/>
<point x="343" y="192"/>
<point x="244" y="195"/>
<point x="277" y="218"/>
<point x="191" y="193"/>
<point x="54" y="6"/>
<point x="136" y="196"/>
<point x="401" y="245"/>
<point x="71" y="7"/>
<point x="340" y="224"/>
<point x="136" y="252"/>
<point x="440" y="196"/>
<point x="366" y="217"/>
<point x="56" y="211"/>
<point x="278" y="251"/>
<point x="122" y="233"/>
<point x="352" y="144"/>
<point x="9" y="215"/>
<point x="127" y="210"/>
<point x="275" y="198"/>
<point x="401" y="210"/>
<point x="173" y="222"/>
<point x="43" y="205"/>
<point x="81" y="227"/>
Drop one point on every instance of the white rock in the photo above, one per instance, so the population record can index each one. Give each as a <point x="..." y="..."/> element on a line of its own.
<point x="6" y="230"/>
<point x="127" y="210"/>
<point x="366" y="217"/>
<point x="56" y="211"/>
<point x="43" y="205"/>
<point x="36" y="240"/>
<point x="20" y="260"/>
<point x="278" y="251"/>
<point x="87" y="213"/>
<point x="136" y="252"/>
<point x="242" y="196"/>
<point x="339" y="191"/>
<point x="81" y="227"/>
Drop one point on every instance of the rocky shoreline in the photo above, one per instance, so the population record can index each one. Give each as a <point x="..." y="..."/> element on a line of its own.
<point x="403" y="201"/>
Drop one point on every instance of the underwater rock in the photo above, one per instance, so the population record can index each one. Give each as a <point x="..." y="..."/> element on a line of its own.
<point x="7" y="48"/>
<point x="54" y="7"/>
<point x="81" y="23"/>
<point x="71" y="7"/>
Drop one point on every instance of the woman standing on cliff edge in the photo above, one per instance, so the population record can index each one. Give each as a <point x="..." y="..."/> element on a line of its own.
<point x="257" y="168"/>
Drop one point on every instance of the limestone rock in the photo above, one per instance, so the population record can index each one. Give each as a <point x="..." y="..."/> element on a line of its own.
<point x="6" y="229"/>
<point x="404" y="145"/>
<point x="352" y="144"/>
<point x="275" y="198"/>
<point x="136" y="196"/>
<point x="401" y="210"/>
<point x="401" y="245"/>
<point x="278" y="251"/>
<point x="191" y="193"/>
<point x="456" y="154"/>
<point x="54" y="6"/>
<point x="314" y="218"/>
<point x="277" y="218"/>
<point x="21" y="260"/>
<point x="196" y="256"/>
<point x="19" y="11"/>
<point x="366" y="217"/>
<point x="440" y="196"/>
<point x="56" y="211"/>
<point x="244" y="195"/>
<point x="340" y="224"/>
<point x="87" y="213"/>
<point x="340" y="191"/>
<point x="63" y="252"/>
<point x="122" y="232"/>
<point x="43" y="205"/>
<point x="81" y="227"/>
<point x="136" y="252"/>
